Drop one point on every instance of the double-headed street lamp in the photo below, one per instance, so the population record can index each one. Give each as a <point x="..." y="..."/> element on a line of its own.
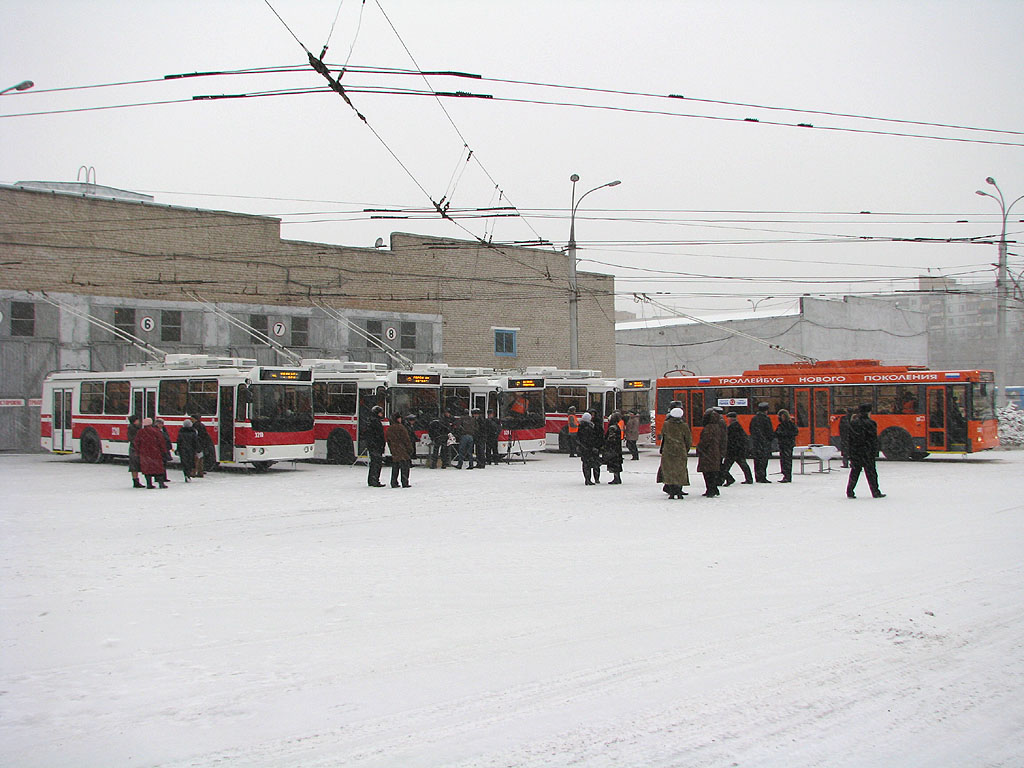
<point x="574" y="292"/>
<point x="1002" y="297"/>
<point x="24" y="85"/>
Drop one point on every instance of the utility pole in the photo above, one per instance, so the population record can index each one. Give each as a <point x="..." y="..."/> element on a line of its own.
<point x="574" y="291"/>
<point x="1002" y="294"/>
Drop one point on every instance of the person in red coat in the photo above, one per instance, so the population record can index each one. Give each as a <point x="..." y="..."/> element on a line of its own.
<point x="151" y="446"/>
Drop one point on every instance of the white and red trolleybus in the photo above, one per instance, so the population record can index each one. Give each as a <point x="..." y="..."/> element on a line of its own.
<point x="516" y="400"/>
<point x="587" y="390"/>
<point x="344" y="392"/>
<point x="918" y="411"/>
<point x="254" y="414"/>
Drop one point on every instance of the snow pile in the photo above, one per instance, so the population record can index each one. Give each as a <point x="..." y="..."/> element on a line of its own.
<point x="511" y="617"/>
<point x="1011" y="426"/>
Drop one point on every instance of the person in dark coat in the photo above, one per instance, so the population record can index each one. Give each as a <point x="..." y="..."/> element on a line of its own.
<point x="611" y="452"/>
<point x="373" y="439"/>
<point x="493" y="433"/>
<point x="134" y="425"/>
<point x="188" y="444"/>
<point x="736" y="450"/>
<point x="844" y="436"/>
<point x="676" y="439"/>
<point x="438" y="432"/>
<point x="710" y="453"/>
<point x="785" y="436"/>
<point x="204" y="447"/>
<point x="152" y="447"/>
<point x="761" y="434"/>
<point x="589" y="442"/>
<point x="481" y="439"/>
<point x="400" y="443"/>
<point x="863" y="452"/>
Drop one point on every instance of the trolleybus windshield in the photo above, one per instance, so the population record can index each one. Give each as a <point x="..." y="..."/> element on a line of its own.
<point x="280" y="407"/>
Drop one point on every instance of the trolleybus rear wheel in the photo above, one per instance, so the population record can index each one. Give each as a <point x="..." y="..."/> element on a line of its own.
<point x="896" y="444"/>
<point x="92" y="449"/>
<point x="339" y="448"/>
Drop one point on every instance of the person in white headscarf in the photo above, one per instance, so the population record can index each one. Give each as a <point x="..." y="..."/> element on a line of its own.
<point x="676" y="440"/>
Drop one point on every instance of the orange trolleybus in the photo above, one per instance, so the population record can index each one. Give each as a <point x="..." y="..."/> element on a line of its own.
<point x="918" y="411"/>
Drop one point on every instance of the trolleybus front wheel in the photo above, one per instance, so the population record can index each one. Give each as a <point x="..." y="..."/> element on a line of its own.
<point x="896" y="444"/>
<point x="92" y="450"/>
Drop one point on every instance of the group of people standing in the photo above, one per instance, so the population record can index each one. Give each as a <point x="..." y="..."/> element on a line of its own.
<point x="150" y="450"/>
<point x="598" y="446"/>
<point x="723" y="445"/>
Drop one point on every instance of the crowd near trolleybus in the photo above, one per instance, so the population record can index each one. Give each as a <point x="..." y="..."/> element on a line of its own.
<point x="516" y="400"/>
<point x="588" y="390"/>
<point x="918" y="411"/>
<point x="254" y="414"/>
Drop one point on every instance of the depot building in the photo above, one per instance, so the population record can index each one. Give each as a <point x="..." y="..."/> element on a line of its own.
<point x="84" y="266"/>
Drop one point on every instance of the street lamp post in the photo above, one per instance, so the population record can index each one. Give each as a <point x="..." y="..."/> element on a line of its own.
<point x="1002" y="298"/>
<point x="574" y="292"/>
<point x="24" y="85"/>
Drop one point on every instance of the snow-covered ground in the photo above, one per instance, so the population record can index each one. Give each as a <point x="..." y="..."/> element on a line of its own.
<point x="511" y="617"/>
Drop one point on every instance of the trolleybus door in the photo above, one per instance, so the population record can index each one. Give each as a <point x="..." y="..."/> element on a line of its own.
<point x="802" y="416"/>
<point x="820" y="432"/>
<point x="61" y="420"/>
<point x="144" y="402"/>
<point x="936" y="399"/>
<point x="696" y="407"/>
<point x="226" y="425"/>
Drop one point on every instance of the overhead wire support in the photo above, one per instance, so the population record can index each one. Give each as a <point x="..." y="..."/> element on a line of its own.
<point x="154" y="352"/>
<point x="387" y="349"/>
<point x="254" y="332"/>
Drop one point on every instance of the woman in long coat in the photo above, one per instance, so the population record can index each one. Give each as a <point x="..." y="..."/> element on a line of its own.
<point x="711" y="452"/>
<point x="151" y="445"/>
<point x="676" y="440"/>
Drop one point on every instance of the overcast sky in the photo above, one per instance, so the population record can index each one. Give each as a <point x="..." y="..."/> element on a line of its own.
<point x="714" y="212"/>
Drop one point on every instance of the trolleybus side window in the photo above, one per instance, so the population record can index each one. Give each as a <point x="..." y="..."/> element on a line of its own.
<point x="335" y="397"/>
<point x="896" y="398"/>
<point x="849" y="397"/>
<point x="455" y="400"/>
<point x="91" y="397"/>
<point x="202" y="397"/>
<point x="778" y="398"/>
<point x="117" y="397"/>
<point x="173" y="397"/>
<point x="560" y="399"/>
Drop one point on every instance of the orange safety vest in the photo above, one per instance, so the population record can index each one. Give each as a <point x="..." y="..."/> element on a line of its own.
<point x="574" y="423"/>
